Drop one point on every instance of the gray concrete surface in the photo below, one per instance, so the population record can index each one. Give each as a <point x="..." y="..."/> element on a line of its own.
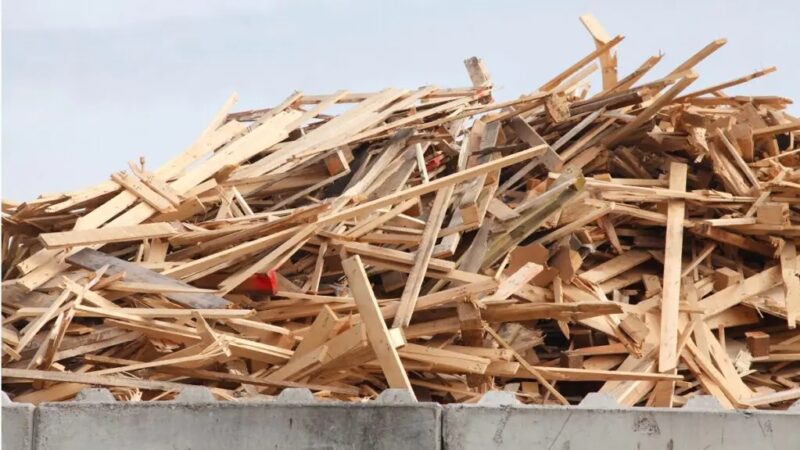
<point x="294" y="420"/>
<point x="600" y="423"/>
<point x="17" y="428"/>
<point x="200" y="424"/>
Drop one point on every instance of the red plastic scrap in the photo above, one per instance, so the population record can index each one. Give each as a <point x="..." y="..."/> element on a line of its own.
<point x="266" y="283"/>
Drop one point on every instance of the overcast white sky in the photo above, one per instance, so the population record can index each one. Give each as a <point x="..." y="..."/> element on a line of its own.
<point x="91" y="84"/>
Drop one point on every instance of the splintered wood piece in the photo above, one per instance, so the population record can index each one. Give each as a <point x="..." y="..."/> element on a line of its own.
<point x="377" y="332"/>
<point x="671" y="289"/>
<point x="635" y="328"/>
<point x="608" y="59"/>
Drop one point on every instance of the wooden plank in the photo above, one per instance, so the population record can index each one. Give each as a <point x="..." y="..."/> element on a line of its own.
<point x="377" y="332"/>
<point x="94" y="260"/>
<point x="422" y="258"/>
<point x="156" y="184"/>
<point x="608" y="59"/>
<point x="776" y="129"/>
<point x="91" y="379"/>
<point x="673" y="258"/>
<point x="321" y="330"/>
<point x="615" y="266"/>
<point x="558" y="79"/>
<point x="735" y="294"/>
<point x="107" y="235"/>
<point x="139" y="189"/>
<point x="699" y="56"/>
<point x="791" y="283"/>
<point x="511" y="284"/>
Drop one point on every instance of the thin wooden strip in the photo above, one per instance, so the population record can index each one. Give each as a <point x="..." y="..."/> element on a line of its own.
<point x="377" y="332"/>
<point x="107" y="235"/>
<point x="673" y="258"/>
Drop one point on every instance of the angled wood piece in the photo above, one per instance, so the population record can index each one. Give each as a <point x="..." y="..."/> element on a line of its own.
<point x="321" y="330"/>
<point x="615" y="266"/>
<point x="156" y="184"/>
<point x="699" y="56"/>
<point x="532" y="370"/>
<point x="94" y="260"/>
<point x="737" y="293"/>
<point x="471" y="189"/>
<point x="651" y="110"/>
<point x="602" y="49"/>
<point x="673" y="257"/>
<point x="511" y="284"/>
<point x="727" y="84"/>
<point x="608" y="59"/>
<point x="139" y="189"/>
<point x="422" y="258"/>
<point x="377" y="332"/>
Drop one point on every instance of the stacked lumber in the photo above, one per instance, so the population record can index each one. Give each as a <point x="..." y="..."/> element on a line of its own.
<point x="639" y="240"/>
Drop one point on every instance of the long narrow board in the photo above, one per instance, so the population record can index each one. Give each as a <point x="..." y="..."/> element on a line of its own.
<point x="94" y="260"/>
<point x="107" y="235"/>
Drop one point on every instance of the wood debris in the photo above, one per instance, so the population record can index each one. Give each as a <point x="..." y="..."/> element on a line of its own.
<point x="637" y="240"/>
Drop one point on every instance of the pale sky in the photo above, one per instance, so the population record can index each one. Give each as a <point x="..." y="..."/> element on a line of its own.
<point x="91" y="84"/>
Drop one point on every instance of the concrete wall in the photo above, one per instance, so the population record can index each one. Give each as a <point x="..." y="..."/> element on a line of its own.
<point x="498" y="422"/>
<point x="296" y="421"/>
<point x="17" y="428"/>
<point x="196" y="421"/>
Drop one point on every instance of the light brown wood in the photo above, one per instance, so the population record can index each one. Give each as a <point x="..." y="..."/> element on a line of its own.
<point x="408" y="300"/>
<point x="107" y="235"/>
<point x="377" y="332"/>
<point x="671" y="288"/>
<point x="480" y="227"/>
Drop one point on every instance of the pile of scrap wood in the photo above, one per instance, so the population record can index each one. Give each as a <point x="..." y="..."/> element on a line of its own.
<point x="638" y="240"/>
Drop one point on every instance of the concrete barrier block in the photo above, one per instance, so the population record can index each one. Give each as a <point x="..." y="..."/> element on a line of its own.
<point x="295" y="395"/>
<point x="498" y="398"/>
<point x="294" y="422"/>
<point x="195" y="394"/>
<point x="95" y="395"/>
<point x="18" y="419"/>
<point x="555" y="427"/>
<point x="599" y="400"/>
<point x="396" y="396"/>
<point x="703" y="403"/>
